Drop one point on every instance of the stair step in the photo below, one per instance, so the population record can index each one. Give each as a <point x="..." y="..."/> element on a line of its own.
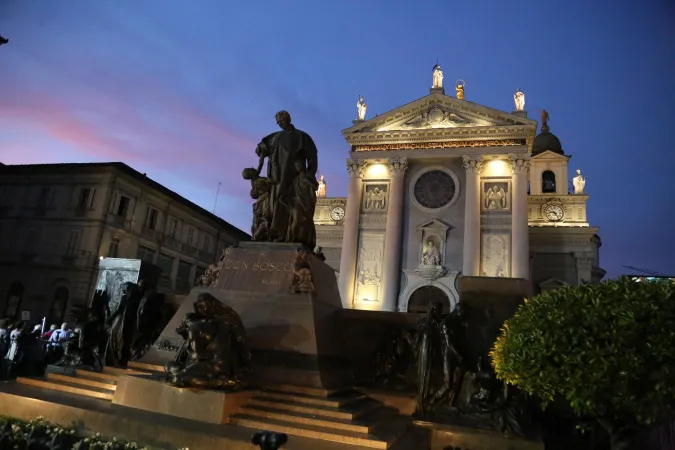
<point x="364" y="425"/>
<point x="98" y="375"/>
<point x="145" y="367"/>
<point x="316" y="392"/>
<point x="280" y="426"/>
<point x="347" y="413"/>
<point x="74" y="380"/>
<point x="60" y="386"/>
<point x="333" y="402"/>
<point x="120" y="371"/>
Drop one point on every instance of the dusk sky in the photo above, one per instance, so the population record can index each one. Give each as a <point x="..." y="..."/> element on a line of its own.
<point x="184" y="90"/>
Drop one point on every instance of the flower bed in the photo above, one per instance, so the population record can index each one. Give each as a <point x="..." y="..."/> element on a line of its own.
<point x="38" y="434"/>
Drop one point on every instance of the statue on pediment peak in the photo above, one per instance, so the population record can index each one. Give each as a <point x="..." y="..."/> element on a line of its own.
<point x="437" y="77"/>
<point x="361" y="108"/>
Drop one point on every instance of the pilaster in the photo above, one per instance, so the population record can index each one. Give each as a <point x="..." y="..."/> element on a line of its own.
<point x="473" y="164"/>
<point x="356" y="169"/>
<point x="392" y="237"/>
<point x="584" y="267"/>
<point x="520" y="239"/>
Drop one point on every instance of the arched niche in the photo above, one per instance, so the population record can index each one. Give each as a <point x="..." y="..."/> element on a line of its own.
<point x="548" y="185"/>
<point x="57" y="310"/>
<point x="425" y="296"/>
<point x="13" y="301"/>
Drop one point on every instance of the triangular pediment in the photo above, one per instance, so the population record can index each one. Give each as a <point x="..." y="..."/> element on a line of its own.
<point x="552" y="283"/>
<point x="438" y="111"/>
<point x="433" y="224"/>
<point x="551" y="156"/>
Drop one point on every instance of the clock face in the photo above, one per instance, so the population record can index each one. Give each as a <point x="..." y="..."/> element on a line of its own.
<point x="337" y="213"/>
<point x="554" y="212"/>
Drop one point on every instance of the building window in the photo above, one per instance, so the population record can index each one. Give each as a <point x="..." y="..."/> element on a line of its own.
<point x="165" y="263"/>
<point x="86" y="199"/>
<point x="30" y="242"/>
<point x="73" y="242"/>
<point x="114" y="248"/>
<point x="190" y="236"/>
<point x="123" y="206"/>
<point x="434" y="189"/>
<point x="45" y="199"/>
<point x="59" y="304"/>
<point x="207" y="242"/>
<point x="548" y="182"/>
<point x="14" y="297"/>
<point x="173" y="227"/>
<point x="5" y="197"/>
<point x="146" y="254"/>
<point x="151" y="218"/>
<point x="183" y="276"/>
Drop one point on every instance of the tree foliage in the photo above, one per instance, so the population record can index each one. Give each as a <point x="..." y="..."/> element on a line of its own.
<point x="608" y="349"/>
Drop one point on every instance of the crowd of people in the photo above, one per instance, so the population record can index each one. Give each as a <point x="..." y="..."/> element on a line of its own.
<point x="26" y="350"/>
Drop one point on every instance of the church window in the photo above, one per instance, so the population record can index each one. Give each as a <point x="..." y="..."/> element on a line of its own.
<point x="548" y="182"/>
<point x="434" y="189"/>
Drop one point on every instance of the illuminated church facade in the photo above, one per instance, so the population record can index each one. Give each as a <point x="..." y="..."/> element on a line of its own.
<point x="442" y="187"/>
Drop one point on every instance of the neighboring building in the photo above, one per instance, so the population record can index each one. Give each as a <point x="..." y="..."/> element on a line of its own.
<point x="58" y="220"/>
<point x="442" y="187"/>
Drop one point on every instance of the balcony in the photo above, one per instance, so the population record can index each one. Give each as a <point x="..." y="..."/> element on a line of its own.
<point x="119" y="222"/>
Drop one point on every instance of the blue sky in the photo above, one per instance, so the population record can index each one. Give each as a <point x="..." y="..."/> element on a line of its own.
<point x="184" y="90"/>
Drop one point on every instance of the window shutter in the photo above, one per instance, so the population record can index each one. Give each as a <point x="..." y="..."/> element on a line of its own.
<point x="92" y="196"/>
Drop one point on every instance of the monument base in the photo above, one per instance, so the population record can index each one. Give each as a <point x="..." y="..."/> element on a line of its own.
<point x="158" y="396"/>
<point x="452" y="436"/>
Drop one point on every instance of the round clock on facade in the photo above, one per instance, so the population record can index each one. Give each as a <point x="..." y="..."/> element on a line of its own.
<point x="553" y="211"/>
<point x="337" y="213"/>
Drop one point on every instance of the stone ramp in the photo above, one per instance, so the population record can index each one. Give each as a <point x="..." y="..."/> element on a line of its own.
<point x="342" y="416"/>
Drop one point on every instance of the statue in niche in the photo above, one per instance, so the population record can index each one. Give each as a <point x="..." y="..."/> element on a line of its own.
<point x="431" y="257"/>
<point x="321" y="190"/>
<point x="361" y="108"/>
<point x="215" y="353"/>
<point x="579" y="183"/>
<point x="495" y="198"/>
<point x="494" y="251"/>
<point x="519" y="100"/>
<point x="437" y="77"/>
<point x="376" y="199"/>
<point x="459" y="87"/>
<point x="439" y="362"/>
<point x="291" y="175"/>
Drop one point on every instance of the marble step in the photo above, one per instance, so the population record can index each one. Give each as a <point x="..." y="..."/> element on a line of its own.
<point x="364" y="424"/>
<point x="348" y="398"/>
<point x="62" y="386"/>
<point x="304" y="390"/>
<point x="347" y="413"/>
<point x="120" y="371"/>
<point x="108" y="377"/>
<point x="382" y="437"/>
<point x="145" y="367"/>
<point x="82" y="381"/>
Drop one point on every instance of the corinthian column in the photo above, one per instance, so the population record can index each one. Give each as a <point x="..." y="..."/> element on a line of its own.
<point x="473" y="165"/>
<point x="350" y="236"/>
<point x="520" y="234"/>
<point x="392" y="236"/>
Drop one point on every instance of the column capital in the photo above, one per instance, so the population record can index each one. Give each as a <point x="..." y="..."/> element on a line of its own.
<point x="519" y="162"/>
<point x="356" y="167"/>
<point x="473" y="163"/>
<point x="583" y="258"/>
<point x="397" y="166"/>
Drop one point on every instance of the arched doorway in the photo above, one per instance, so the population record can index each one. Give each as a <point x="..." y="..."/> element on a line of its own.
<point x="426" y="295"/>
<point x="59" y="304"/>
<point x="14" y="297"/>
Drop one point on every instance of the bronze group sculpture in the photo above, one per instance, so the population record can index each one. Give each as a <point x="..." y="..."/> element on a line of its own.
<point x="215" y="353"/>
<point x="286" y="197"/>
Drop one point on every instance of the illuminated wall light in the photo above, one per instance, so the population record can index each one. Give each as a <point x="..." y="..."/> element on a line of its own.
<point x="377" y="170"/>
<point x="496" y="168"/>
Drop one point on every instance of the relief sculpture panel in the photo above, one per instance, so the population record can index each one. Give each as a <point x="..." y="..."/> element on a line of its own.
<point x="495" y="260"/>
<point x="496" y="196"/>
<point x="369" y="268"/>
<point x="376" y="197"/>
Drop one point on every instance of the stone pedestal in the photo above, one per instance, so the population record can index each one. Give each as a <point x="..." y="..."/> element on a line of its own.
<point x="294" y="338"/>
<point x="455" y="437"/>
<point x="158" y="396"/>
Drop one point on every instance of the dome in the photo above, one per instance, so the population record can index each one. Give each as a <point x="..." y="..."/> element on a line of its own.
<point x="546" y="141"/>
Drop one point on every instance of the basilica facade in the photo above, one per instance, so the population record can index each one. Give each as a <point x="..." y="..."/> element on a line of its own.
<point x="441" y="188"/>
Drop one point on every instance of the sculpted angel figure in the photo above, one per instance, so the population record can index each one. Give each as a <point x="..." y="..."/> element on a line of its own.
<point x="321" y="190"/>
<point x="544" y="119"/>
<point x="361" y="108"/>
<point x="495" y="198"/>
<point x="579" y="183"/>
<point x="519" y="99"/>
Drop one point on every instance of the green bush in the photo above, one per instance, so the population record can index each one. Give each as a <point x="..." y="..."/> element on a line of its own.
<point x="608" y="349"/>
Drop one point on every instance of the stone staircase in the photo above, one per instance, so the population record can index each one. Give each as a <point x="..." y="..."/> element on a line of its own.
<point x="84" y="382"/>
<point x="343" y="416"/>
